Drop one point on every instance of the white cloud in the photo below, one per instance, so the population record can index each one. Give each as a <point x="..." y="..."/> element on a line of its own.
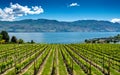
<point x="17" y="10"/>
<point x="115" y="20"/>
<point x="74" y="4"/>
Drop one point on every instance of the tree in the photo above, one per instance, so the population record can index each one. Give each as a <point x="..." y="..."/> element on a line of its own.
<point x="107" y="41"/>
<point x="5" y="36"/>
<point x="20" y="41"/>
<point x="14" y="39"/>
<point x="0" y="37"/>
<point x="115" y="41"/>
<point x="87" y="41"/>
<point x="32" y="42"/>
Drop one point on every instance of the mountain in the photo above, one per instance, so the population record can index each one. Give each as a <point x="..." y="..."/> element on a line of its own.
<point x="45" y="25"/>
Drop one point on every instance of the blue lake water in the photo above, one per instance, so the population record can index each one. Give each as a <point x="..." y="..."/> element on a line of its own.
<point x="62" y="37"/>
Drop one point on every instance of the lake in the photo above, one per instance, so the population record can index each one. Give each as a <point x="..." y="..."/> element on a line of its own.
<point x="61" y="37"/>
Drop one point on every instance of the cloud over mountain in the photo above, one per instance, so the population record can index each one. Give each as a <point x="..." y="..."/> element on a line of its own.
<point x="115" y="20"/>
<point x="17" y="10"/>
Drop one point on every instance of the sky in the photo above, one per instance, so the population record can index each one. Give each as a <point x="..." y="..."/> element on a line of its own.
<point x="62" y="10"/>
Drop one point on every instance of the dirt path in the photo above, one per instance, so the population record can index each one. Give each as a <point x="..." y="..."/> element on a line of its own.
<point x="7" y="71"/>
<point x="42" y="66"/>
<point x="57" y="62"/>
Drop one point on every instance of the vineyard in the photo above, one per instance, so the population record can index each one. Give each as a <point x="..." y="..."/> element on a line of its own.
<point x="60" y="59"/>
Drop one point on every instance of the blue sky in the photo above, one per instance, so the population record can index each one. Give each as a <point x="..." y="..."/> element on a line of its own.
<point x="62" y="10"/>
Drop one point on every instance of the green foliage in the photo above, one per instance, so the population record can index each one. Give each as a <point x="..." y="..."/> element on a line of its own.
<point x="20" y="41"/>
<point x="5" y="36"/>
<point x="14" y="39"/>
<point x="32" y="42"/>
<point x="0" y="37"/>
